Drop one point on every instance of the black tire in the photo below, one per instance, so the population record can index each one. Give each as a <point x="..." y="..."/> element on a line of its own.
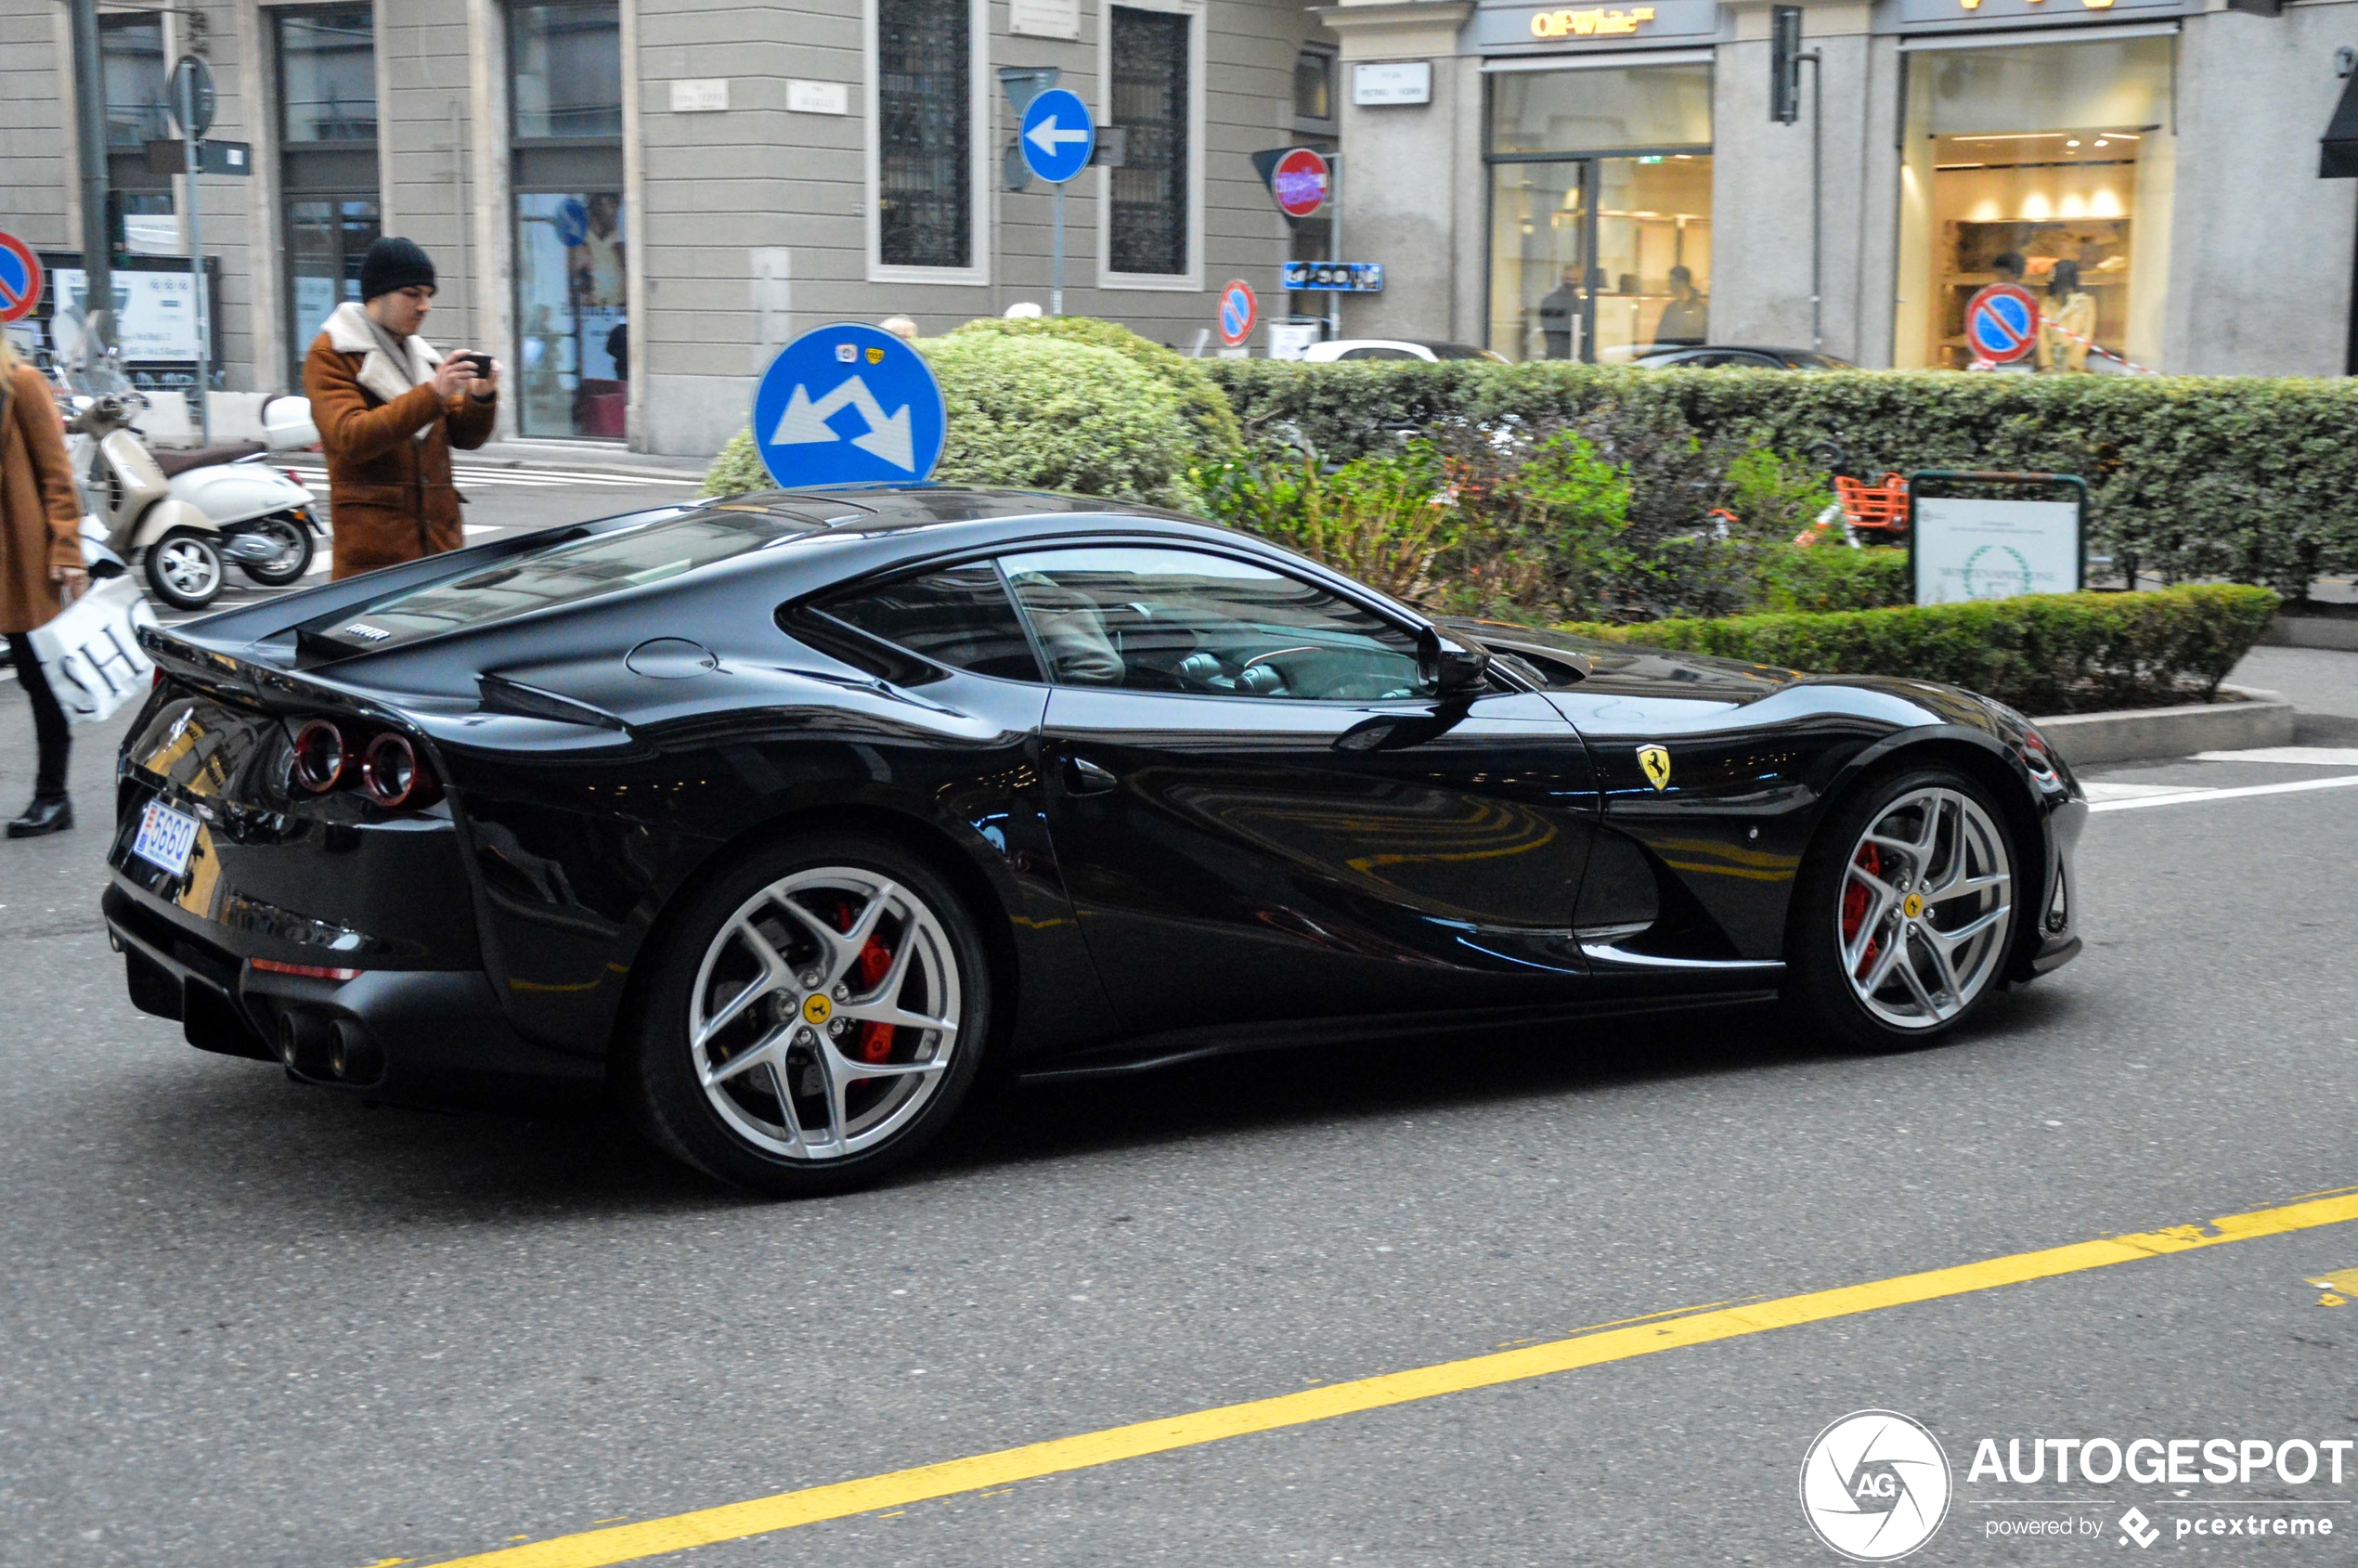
<point x="1819" y="996"/>
<point x="660" y="1074"/>
<point x="289" y="568"/>
<point x="184" y="569"/>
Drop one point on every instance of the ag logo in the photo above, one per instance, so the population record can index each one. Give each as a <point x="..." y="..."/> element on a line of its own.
<point x="1656" y="762"/>
<point x="1875" y="1485"/>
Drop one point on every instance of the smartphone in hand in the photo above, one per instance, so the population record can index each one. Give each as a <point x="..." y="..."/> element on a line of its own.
<point x="481" y="363"/>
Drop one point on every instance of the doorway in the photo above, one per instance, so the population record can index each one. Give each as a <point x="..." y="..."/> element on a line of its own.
<point x="1598" y="258"/>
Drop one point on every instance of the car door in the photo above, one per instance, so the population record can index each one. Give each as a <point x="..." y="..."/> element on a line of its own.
<point x="1265" y="810"/>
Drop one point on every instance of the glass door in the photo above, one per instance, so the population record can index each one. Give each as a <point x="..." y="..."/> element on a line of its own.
<point x="1542" y="234"/>
<point x="1598" y="259"/>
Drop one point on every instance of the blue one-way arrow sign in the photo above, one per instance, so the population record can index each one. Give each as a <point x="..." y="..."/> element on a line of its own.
<point x="1056" y="136"/>
<point x="847" y="403"/>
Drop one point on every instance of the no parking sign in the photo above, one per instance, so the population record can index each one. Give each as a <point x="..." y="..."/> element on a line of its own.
<point x="20" y="279"/>
<point x="1240" y="312"/>
<point x="2002" y="323"/>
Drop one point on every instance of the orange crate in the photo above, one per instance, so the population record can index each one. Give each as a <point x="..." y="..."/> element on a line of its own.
<point x="1883" y="506"/>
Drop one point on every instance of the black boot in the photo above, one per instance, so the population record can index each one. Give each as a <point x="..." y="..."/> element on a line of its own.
<point x="46" y="814"/>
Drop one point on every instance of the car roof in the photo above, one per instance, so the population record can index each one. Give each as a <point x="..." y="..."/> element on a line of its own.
<point x="873" y="507"/>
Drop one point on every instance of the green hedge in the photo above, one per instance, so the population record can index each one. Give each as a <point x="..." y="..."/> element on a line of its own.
<point x="2058" y="652"/>
<point x="2248" y="479"/>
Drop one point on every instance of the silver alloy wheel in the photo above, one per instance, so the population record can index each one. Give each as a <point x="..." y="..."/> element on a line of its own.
<point x="1926" y="909"/>
<point x="825" y="1012"/>
<point x="191" y="565"/>
<point x="285" y="566"/>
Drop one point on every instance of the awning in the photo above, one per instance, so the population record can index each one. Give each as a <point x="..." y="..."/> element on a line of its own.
<point x="2338" y="159"/>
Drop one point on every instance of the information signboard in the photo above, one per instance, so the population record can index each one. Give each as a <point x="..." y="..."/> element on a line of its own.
<point x="1975" y="546"/>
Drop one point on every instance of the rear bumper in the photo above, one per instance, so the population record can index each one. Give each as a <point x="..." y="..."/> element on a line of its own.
<point x="423" y="1035"/>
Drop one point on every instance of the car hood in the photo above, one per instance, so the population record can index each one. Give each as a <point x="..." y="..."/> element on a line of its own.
<point x="1631" y="671"/>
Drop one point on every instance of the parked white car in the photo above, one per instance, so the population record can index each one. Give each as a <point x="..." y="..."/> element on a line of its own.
<point x="1392" y="348"/>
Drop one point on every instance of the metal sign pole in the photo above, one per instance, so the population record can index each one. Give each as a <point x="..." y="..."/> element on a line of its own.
<point x="194" y="122"/>
<point x="1057" y="286"/>
<point x="1334" y="240"/>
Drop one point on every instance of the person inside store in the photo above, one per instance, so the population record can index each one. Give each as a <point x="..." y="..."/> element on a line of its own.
<point x="40" y="570"/>
<point x="2067" y="321"/>
<point x="1559" y="308"/>
<point x="1685" y="319"/>
<point x="389" y="408"/>
<point x="2009" y="266"/>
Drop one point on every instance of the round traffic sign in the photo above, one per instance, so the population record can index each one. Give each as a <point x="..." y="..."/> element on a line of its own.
<point x="1301" y="182"/>
<point x="1056" y="136"/>
<point x="1240" y="312"/>
<point x="2002" y="323"/>
<point x="192" y="97"/>
<point x="848" y="404"/>
<point x="20" y="279"/>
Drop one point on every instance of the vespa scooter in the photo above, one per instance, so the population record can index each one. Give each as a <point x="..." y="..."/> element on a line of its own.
<point x="268" y="520"/>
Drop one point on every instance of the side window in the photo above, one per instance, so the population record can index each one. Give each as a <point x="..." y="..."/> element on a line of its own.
<point x="1180" y="620"/>
<point x="1378" y="352"/>
<point x="958" y="616"/>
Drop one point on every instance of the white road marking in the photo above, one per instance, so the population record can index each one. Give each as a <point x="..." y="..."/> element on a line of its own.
<point x="2106" y="790"/>
<point x="2306" y="756"/>
<point x="529" y="479"/>
<point x="2188" y="797"/>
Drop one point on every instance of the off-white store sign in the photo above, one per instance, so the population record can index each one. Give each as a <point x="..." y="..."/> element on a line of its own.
<point x="1044" y="19"/>
<point x="1993" y="550"/>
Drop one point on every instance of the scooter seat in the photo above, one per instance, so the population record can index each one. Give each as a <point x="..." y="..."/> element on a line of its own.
<point x="205" y="457"/>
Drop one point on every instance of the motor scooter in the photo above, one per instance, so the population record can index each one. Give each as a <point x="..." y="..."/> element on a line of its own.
<point x="163" y="506"/>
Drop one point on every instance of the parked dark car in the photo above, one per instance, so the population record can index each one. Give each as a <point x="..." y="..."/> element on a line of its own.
<point x="1728" y="357"/>
<point x="781" y="816"/>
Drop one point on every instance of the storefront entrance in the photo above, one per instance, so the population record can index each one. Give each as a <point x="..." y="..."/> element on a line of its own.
<point x="1599" y="210"/>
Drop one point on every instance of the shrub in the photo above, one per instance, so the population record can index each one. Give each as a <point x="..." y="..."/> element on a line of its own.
<point x="2058" y="653"/>
<point x="1830" y="577"/>
<point x="1217" y="434"/>
<point x="1035" y="412"/>
<point x="2242" y="478"/>
<point x="1379" y="518"/>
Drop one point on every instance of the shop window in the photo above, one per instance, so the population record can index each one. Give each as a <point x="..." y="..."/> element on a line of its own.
<point x="327" y="76"/>
<point x="139" y="211"/>
<point x="573" y="272"/>
<point x="2047" y="164"/>
<point x="925" y="129"/>
<point x="1600" y="210"/>
<point x="327" y="237"/>
<point x="1149" y="219"/>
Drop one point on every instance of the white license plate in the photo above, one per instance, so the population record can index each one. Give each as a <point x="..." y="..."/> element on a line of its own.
<point x="166" y="837"/>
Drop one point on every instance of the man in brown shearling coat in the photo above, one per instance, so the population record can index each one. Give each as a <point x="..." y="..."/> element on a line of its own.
<point x="389" y="408"/>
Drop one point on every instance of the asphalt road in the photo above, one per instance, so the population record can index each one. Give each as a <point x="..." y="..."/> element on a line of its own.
<point x="246" y="1324"/>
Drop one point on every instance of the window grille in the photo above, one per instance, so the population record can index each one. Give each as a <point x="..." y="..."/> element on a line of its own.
<point x="1149" y="217"/>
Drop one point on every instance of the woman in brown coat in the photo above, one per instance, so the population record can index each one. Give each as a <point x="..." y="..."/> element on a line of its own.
<point x="41" y="568"/>
<point x="389" y="408"/>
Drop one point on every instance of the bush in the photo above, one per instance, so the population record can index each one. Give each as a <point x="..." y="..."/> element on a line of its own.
<point x="1035" y="412"/>
<point x="2247" y="478"/>
<point x="2058" y="653"/>
<point x="1217" y="434"/>
<point x="1830" y="577"/>
<point x="1379" y="518"/>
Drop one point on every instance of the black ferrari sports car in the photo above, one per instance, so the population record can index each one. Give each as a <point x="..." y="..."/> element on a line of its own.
<point x="784" y="816"/>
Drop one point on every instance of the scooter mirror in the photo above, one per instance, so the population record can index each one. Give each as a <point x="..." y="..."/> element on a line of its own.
<point x="286" y="424"/>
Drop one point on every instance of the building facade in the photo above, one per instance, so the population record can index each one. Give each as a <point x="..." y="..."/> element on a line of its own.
<point x="633" y="203"/>
<point x="1582" y="179"/>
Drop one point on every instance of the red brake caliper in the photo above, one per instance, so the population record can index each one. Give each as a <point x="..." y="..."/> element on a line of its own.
<point x="1855" y="900"/>
<point x="874" y="1042"/>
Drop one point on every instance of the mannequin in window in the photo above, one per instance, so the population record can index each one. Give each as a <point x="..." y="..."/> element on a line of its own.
<point x="1684" y="319"/>
<point x="2067" y="321"/>
<point x="2008" y="265"/>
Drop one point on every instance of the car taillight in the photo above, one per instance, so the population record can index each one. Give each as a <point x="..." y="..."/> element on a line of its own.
<point x="391" y="774"/>
<point x="310" y="971"/>
<point x="320" y="757"/>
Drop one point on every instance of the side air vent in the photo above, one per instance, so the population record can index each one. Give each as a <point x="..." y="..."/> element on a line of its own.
<point x="500" y="695"/>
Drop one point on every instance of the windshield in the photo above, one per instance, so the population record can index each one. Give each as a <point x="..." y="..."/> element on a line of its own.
<point x="665" y="544"/>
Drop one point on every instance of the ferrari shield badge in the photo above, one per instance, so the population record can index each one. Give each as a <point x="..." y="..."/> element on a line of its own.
<point x="1656" y="762"/>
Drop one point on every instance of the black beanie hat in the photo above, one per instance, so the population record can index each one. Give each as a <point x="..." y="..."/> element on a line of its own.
<point x="394" y="263"/>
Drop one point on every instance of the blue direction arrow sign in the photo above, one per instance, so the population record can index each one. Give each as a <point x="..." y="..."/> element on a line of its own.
<point x="1056" y="136"/>
<point x="849" y="405"/>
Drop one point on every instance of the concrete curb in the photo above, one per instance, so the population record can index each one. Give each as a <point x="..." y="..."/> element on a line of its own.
<point x="2129" y="734"/>
<point x="2311" y="631"/>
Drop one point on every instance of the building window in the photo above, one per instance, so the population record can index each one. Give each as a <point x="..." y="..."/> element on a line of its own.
<point x="566" y="71"/>
<point x="2051" y="166"/>
<point x="327" y="163"/>
<point x="573" y="266"/>
<point x="1600" y="210"/>
<point x="925" y="118"/>
<point x="1314" y="86"/>
<point x="139" y="214"/>
<point x="1149" y="219"/>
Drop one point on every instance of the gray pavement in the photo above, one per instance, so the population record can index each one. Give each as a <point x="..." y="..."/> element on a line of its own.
<point x="247" y="1324"/>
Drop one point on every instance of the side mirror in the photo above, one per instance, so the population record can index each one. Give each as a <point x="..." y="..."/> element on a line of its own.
<point x="1453" y="664"/>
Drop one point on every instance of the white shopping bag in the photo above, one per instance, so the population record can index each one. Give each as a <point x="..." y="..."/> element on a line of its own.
<point x="91" y="652"/>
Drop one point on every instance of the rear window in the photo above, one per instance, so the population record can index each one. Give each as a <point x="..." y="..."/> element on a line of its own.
<point x="564" y="571"/>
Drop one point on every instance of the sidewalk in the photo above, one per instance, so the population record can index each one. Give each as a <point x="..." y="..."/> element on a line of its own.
<point x="578" y="457"/>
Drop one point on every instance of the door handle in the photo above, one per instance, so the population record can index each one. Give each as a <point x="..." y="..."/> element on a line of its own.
<point x="1084" y="777"/>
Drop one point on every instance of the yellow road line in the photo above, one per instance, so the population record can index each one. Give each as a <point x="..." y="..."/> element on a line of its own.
<point x="760" y="1516"/>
